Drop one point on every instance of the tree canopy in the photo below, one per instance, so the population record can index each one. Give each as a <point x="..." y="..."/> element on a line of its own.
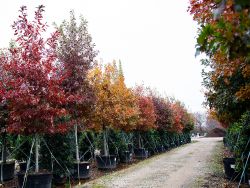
<point x="76" y="54"/>
<point x="224" y="37"/>
<point x="33" y="78"/>
<point x="116" y="104"/>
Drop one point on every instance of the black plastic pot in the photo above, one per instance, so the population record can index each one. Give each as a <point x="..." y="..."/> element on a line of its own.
<point x="35" y="180"/>
<point x="229" y="165"/>
<point x="126" y="157"/>
<point x="8" y="170"/>
<point x="84" y="170"/>
<point x="141" y="153"/>
<point x="106" y="162"/>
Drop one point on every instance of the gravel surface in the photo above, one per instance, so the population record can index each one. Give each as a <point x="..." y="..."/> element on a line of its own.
<point x="179" y="167"/>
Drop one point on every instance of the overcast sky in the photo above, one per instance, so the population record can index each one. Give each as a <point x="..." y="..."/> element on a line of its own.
<point x="154" y="39"/>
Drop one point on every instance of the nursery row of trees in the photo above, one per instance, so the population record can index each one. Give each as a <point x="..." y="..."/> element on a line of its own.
<point x="54" y="86"/>
<point x="224" y="36"/>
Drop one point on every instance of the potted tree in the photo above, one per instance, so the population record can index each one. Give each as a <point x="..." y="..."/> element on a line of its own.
<point x="164" y="118"/>
<point x="126" y="114"/>
<point x="179" y="120"/>
<point x="147" y="118"/>
<point x="36" y="98"/>
<point x="102" y="117"/>
<point x="76" y="52"/>
<point x="114" y="108"/>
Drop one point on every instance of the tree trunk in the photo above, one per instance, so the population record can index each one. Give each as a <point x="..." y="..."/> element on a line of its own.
<point x="125" y="140"/>
<point x="77" y="146"/>
<point x="77" y="152"/>
<point x="140" y="145"/>
<point x="37" y="145"/>
<point x="105" y="144"/>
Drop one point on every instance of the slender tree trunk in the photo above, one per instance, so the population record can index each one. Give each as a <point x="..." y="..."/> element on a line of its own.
<point x="37" y="145"/>
<point x="106" y="151"/>
<point x="125" y="140"/>
<point x="77" y="152"/>
<point x="140" y="145"/>
<point x="77" y="146"/>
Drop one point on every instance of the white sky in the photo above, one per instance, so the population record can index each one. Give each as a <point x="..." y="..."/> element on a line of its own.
<point x="154" y="39"/>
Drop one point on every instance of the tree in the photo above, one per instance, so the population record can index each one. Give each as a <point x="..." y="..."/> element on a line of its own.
<point x="126" y="111"/>
<point x="147" y="116"/>
<point x="224" y="38"/>
<point x="189" y="122"/>
<point x="200" y="119"/>
<point x="36" y="100"/>
<point x="212" y="123"/>
<point x="76" y="53"/>
<point x="162" y="107"/>
<point x="178" y="117"/>
<point x="115" y="104"/>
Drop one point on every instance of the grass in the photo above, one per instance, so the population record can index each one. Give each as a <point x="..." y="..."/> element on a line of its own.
<point x="95" y="185"/>
<point x="216" y="165"/>
<point x="215" y="174"/>
<point x="98" y="186"/>
<point x="214" y="169"/>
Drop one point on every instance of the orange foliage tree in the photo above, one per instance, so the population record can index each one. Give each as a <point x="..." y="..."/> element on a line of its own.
<point x="183" y="121"/>
<point x="178" y="113"/>
<point x="115" y="104"/>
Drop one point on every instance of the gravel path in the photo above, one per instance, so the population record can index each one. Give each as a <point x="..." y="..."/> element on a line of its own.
<point x="179" y="167"/>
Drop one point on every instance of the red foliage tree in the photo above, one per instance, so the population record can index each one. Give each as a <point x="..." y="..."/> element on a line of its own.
<point x="33" y="83"/>
<point x="34" y="94"/>
<point x="183" y="121"/>
<point x="178" y="117"/>
<point x="163" y="111"/>
<point x="76" y="53"/>
<point x="147" y="116"/>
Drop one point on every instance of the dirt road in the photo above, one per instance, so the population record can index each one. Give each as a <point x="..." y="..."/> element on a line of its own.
<point x="179" y="167"/>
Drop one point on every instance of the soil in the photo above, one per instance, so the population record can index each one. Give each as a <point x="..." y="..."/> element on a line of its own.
<point x="186" y="166"/>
